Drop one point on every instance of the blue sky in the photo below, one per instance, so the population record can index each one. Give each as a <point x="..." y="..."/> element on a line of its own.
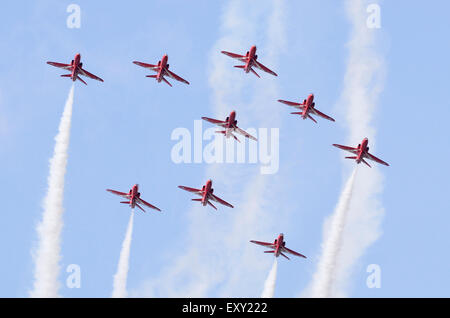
<point x="121" y="135"/>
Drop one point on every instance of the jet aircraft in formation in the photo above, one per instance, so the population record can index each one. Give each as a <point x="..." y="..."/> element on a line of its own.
<point x="206" y="193"/>
<point x="278" y="247"/>
<point x="133" y="198"/>
<point x="162" y="70"/>
<point x="250" y="60"/>
<point x="230" y="126"/>
<point x="307" y="108"/>
<point x="361" y="152"/>
<point x="75" y="68"/>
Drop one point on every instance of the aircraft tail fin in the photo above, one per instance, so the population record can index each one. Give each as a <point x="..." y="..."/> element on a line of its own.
<point x="212" y="205"/>
<point x="284" y="255"/>
<point x="310" y="117"/>
<point x="167" y="82"/>
<point x="253" y="71"/>
<point x="140" y="207"/>
<point x="78" y="78"/>
<point x="366" y="163"/>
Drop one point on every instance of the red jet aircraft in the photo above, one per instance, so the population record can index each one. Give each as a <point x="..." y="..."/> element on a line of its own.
<point x="206" y="192"/>
<point x="307" y="108"/>
<point x="161" y="69"/>
<point x="250" y="60"/>
<point x="133" y="197"/>
<point x="230" y="125"/>
<point x="361" y="152"/>
<point x="278" y="247"/>
<point x="75" y="68"/>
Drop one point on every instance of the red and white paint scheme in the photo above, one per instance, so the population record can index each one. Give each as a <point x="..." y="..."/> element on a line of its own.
<point x="307" y="108"/>
<point x="361" y="152"/>
<point x="206" y="193"/>
<point x="161" y="69"/>
<point x="230" y="125"/>
<point x="133" y="198"/>
<point x="75" y="68"/>
<point x="278" y="247"/>
<point x="250" y="60"/>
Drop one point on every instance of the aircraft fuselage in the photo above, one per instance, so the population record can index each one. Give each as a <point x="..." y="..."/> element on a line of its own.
<point x="251" y="59"/>
<point x="206" y="193"/>
<point x="75" y="67"/>
<point x="309" y="103"/>
<point x="362" y="150"/>
<point x="162" y="69"/>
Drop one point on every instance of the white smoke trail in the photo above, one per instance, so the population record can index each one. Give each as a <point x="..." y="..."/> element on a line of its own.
<point x="47" y="255"/>
<point x="362" y="85"/>
<point x="269" y="285"/>
<point x="326" y="269"/>
<point x="120" y="278"/>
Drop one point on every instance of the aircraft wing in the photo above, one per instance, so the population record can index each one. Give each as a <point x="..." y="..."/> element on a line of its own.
<point x="148" y="204"/>
<point x="244" y="133"/>
<point x="296" y="105"/>
<point x="373" y="158"/>
<point x="145" y="65"/>
<point x="196" y="191"/>
<point x="215" y="121"/>
<point x="264" y="68"/>
<point x="122" y="194"/>
<point x="318" y="113"/>
<point x="239" y="57"/>
<point x="61" y="65"/>
<point x="90" y="75"/>
<point x="346" y="148"/>
<point x="263" y="243"/>
<point x="293" y="252"/>
<point x="176" y="77"/>
<point x="219" y="200"/>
